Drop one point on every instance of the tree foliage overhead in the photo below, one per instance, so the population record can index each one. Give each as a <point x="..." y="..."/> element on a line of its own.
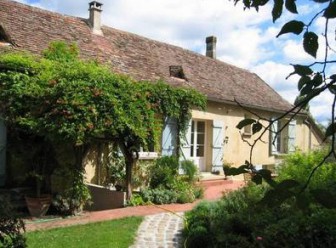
<point x="60" y="97"/>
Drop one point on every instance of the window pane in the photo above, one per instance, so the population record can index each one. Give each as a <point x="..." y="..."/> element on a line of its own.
<point x="200" y="151"/>
<point x="200" y="139"/>
<point x="278" y="138"/>
<point x="191" y="151"/>
<point x="200" y="127"/>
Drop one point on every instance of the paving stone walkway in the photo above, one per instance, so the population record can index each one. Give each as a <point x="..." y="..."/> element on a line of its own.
<point x="160" y="231"/>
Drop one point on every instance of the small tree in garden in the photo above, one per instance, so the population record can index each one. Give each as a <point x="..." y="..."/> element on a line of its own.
<point x="63" y="98"/>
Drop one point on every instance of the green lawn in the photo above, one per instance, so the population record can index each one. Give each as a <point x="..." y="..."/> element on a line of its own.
<point x="116" y="234"/>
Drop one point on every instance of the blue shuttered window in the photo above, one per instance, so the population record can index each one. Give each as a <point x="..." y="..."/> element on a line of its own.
<point x="291" y="135"/>
<point x="186" y="143"/>
<point x="285" y="141"/>
<point x="217" y="145"/>
<point x="169" y="136"/>
<point x="274" y="138"/>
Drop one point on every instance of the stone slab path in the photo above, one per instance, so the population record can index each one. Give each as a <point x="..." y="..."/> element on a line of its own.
<point x="160" y="231"/>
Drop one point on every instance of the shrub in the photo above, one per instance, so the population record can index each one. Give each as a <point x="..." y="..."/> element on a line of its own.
<point x="198" y="230"/>
<point x="141" y="172"/>
<point x="11" y="227"/>
<point x="164" y="172"/>
<point x="239" y="220"/>
<point x="189" y="169"/>
<point x="136" y="200"/>
<point x="72" y="200"/>
<point x="167" y="186"/>
<point x="159" y="196"/>
<point x="185" y="191"/>
<point x="198" y="191"/>
<point x="298" y="166"/>
<point x="186" y="196"/>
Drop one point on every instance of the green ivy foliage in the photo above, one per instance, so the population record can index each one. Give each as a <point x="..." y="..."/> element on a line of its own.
<point x="62" y="97"/>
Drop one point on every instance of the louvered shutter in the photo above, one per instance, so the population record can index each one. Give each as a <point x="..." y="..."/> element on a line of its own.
<point x="217" y="145"/>
<point x="169" y="137"/>
<point x="274" y="138"/>
<point x="291" y="135"/>
<point x="185" y="143"/>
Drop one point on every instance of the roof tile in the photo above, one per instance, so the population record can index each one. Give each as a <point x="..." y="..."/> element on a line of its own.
<point x="32" y="29"/>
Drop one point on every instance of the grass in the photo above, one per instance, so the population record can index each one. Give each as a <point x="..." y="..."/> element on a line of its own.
<point x="115" y="234"/>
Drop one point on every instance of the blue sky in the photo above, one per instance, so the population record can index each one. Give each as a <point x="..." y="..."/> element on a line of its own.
<point x="245" y="38"/>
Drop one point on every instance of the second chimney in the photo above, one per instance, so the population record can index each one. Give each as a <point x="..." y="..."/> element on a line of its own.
<point x="211" y="46"/>
<point x="95" y="9"/>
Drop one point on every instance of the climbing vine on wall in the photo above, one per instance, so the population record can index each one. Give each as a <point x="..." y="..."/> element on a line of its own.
<point x="61" y="97"/>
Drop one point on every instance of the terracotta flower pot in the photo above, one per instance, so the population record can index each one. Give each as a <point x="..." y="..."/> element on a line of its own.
<point x="38" y="206"/>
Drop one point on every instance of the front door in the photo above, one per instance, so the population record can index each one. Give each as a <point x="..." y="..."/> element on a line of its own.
<point x="197" y="144"/>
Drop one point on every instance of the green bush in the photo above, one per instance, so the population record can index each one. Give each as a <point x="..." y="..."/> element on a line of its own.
<point x="198" y="191"/>
<point x="298" y="166"/>
<point x="72" y="200"/>
<point x="190" y="170"/>
<point x="136" y="200"/>
<point x="167" y="186"/>
<point x="11" y="227"/>
<point x="141" y="172"/>
<point x="185" y="191"/>
<point x="239" y="220"/>
<point x="159" y="196"/>
<point x="164" y="172"/>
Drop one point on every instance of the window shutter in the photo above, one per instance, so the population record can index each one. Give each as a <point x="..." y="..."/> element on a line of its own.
<point x="291" y="135"/>
<point x="217" y="145"/>
<point x="3" y="140"/>
<point x="185" y="143"/>
<point x="169" y="136"/>
<point x="274" y="144"/>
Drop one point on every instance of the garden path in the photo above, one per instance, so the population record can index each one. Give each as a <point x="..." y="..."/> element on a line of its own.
<point x="162" y="230"/>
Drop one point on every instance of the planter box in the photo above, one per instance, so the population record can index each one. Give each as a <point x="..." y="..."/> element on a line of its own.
<point x="103" y="198"/>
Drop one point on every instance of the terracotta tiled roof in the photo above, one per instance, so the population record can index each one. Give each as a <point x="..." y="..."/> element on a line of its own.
<point x="32" y="29"/>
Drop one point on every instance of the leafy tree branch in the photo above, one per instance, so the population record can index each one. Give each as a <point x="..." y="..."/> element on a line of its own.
<point x="315" y="78"/>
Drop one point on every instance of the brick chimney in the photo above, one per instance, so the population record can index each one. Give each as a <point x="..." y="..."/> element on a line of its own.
<point x="95" y="9"/>
<point x="211" y="47"/>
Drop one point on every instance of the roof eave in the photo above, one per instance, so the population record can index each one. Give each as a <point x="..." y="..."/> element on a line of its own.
<point x="250" y="106"/>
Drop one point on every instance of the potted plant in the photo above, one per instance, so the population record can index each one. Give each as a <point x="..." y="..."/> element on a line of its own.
<point x="226" y="169"/>
<point x="38" y="203"/>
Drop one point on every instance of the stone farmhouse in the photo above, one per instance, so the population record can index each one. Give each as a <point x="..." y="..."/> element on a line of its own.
<point x="212" y="138"/>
